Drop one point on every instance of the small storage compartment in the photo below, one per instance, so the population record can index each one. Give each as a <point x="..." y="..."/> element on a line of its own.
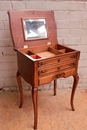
<point x="49" y="52"/>
<point x="63" y="74"/>
<point x="35" y="56"/>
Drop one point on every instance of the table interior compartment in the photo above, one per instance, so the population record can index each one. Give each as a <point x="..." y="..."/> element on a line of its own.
<point x="49" y="52"/>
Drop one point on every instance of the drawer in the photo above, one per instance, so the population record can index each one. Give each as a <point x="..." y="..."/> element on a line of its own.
<point x="57" y="60"/>
<point x="69" y="72"/>
<point x="56" y="68"/>
<point x="50" y="77"/>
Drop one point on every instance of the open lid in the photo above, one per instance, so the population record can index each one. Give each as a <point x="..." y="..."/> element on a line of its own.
<point x="32" y="28"/>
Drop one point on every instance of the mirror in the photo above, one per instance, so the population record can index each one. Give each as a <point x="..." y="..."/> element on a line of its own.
<point x="34" y="29"/>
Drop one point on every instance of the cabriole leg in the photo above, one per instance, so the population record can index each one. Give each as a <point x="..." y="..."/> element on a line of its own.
<point x="20" y="88"/>
<point x="55" y="86"/>
<point x="35" y="98"/>
<point x="75" y="83"/>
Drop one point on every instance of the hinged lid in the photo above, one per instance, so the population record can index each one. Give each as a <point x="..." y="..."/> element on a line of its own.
<point x="21" y="28"/>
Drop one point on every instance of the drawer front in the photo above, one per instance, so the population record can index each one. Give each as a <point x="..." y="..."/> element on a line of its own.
<point x="57" y="60"/>
<point x="50" y="77"/>
<point x="56" y="68"/>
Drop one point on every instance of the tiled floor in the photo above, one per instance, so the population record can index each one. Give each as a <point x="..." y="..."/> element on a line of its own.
<point x="54" y="112"/>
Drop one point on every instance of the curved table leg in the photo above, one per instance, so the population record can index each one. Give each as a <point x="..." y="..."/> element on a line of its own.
<point x="76" y="79"/>
<point x="20" y="88"/>
<point x="35" y="98"/>
<point x="55" y="86"/>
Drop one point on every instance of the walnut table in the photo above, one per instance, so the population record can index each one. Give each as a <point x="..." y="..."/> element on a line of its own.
<point x="41" y="59"/>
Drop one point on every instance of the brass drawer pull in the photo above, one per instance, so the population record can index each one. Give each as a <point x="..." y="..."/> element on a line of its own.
<point x="72" y="64"/>
<point x="33" y="12"/>
<point x="41" y="63"/>
<point x="73" y="56"/>
<point x="42" y="72"/>
<point x="63" y="74"/>
<point x="59" y="75"/>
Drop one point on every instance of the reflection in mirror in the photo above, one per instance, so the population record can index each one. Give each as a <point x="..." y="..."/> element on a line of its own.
<point x="34" y="29"/>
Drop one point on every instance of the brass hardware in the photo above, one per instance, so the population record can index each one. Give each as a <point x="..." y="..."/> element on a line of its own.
<point x="73" y="56"/>
<point x="25" y="46"/>
<point x="63" y="74"/>
<point x="59" y="75"/>
<point x="33" y="12"/>
<point x="72" y="64"/>
<point x="41" y="63"/>
<point x="48" y="43"/>
<point x="42" y="72"/>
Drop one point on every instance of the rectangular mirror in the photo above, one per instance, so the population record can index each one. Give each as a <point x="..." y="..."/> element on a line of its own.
<point x="34" y="29"/>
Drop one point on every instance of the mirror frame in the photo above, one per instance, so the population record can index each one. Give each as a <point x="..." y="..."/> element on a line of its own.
<point x="34" y="38"/>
